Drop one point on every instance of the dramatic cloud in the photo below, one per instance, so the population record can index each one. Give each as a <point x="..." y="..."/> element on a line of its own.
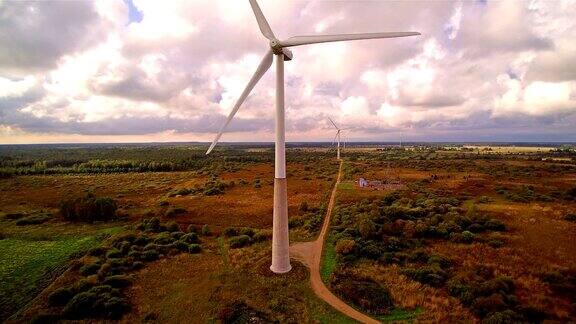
<point x="144" y="70"/>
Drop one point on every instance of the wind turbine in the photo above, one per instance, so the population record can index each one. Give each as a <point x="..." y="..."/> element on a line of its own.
<point x="280" y="240"/>
<point x="337" y="136"/>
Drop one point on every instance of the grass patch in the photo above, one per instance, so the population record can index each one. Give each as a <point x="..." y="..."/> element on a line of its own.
<point x="400" y="315"/>
<point x="28" y="264"/>
<point x="329" y="262"/>
<point x="345" y="186"/>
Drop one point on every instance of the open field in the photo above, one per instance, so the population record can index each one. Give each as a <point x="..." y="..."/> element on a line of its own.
<point x="461" y="218"/>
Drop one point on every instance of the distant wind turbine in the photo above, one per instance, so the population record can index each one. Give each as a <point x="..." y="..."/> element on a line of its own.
<point x="337" y="137"/>
<point x="280" y="240"/>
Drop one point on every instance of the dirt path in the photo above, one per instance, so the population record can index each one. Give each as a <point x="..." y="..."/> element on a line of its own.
<point x="310" y="253"/>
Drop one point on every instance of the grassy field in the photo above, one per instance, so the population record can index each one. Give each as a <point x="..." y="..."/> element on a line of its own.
<point x="531" y="196"/>
<point x="29" y="263"/>
<point x="329" y="262"/>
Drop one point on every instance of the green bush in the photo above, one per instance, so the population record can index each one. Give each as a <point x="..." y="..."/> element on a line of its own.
<point x="34" y="219"/>
<point x="137" y="265"/>
<point x="230" y="231"/>
<point x="206" y="230"/>
<point x="98" y="302"/>
<point x="430" y="275"/>
<point x="174" y="211"/>
<point x="495" y="243"/>
<point x="117" y="281"/>
<point x="150" y="255"/>
<point x="495" y="225"/>
<point x="504" y="317"/>
<point x="194" y="248"/>
<point x="303" y="207"/>
<point x="60" y="296"/>
<point x="150" y="224"/>
<point x="173" y="227"/>
<point x="164" y="238"/>
<point x="239" y="241"/>
<point x="89" y="269"/>
<point x="113" y="253"/>
<point x="190" y="238"/>
<point x="247" y="231"/>
<point x="82" y="305"/>
<point x="88" y="209"/>
<point x="262" y="236"/>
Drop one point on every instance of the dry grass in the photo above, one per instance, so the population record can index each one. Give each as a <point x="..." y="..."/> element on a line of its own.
<point x="407" y="294"/>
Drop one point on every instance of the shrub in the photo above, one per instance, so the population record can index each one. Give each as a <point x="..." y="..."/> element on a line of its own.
<point x="60" y="296"/>
<point x="115" y="307"/>
<point x="490" y="304"/>
<point x="88" y="209"/>
<point x="99" y="301"/>
<point x="194" y="248"/>
<point x="476" y="228"/>
<point x="570" y="217"/>
<point x="303" y="207"/>
<point x="239" y="241"/>
<point x="181" y="246"/>
<point x="82" y="305"/>
<point x="206" y="230"/>
<point x="164" y="238"/>
<point x="113" y="253"/>
<point x="495" y="243"/>
<point x="190" y="238"/>
<point x="247" y="231"/>
<point x="150" y="255"/>
<point x="137" y="265"/>
<point x="239" y="312"/>
<point x="117" y="281"/>
<point x="192" y="229"/>
<point x="89" y="269"/>
<point x="262" y="236"/>
<point x="344" y="246"/>
<point x="464" y="237"/>
<point x="230" y="231"/>
<point x="15" y="215"/>
<point x="430" y="275"/>
<point x="172" y="227"/>
<point x="174" y="211"/>
<point x="150" y="224"/>
<point x="507" y="316"/>
<point x="467" y="237"/>
<point x="141" y="240"/>
<point x="296" y="221"/>
<point x="362" y="292"/>
<point x="34" y="219"/>
<point x="495" y="225"/>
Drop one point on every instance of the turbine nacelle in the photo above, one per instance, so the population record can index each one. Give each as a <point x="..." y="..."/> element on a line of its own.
<point x="278" y="49"/>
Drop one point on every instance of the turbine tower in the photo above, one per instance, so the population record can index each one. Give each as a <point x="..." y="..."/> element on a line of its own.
<point x="280" y="240"/>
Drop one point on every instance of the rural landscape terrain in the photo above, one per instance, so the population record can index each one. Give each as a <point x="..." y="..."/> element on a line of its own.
<point x="163" y="233"/>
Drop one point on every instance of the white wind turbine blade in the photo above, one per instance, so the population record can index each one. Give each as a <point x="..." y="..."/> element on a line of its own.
<point x="262" y="22"/>
<point x="305" y="40"/>
<point x="333" y="123"/>
<point x="262" y="68"/>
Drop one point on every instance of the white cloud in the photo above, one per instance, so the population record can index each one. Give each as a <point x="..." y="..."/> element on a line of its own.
<point x="182" y="68"/>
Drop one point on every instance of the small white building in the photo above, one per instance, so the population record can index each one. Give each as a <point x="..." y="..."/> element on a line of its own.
<point x="362" y="183"/>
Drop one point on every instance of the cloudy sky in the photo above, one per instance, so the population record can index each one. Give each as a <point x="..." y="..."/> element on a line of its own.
<point x="131" y="71"/>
